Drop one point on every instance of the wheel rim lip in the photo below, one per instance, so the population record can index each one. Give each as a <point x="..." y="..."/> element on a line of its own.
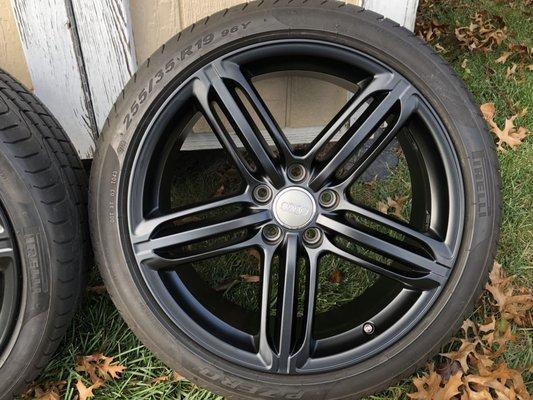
<point x="424" y="302"/>
<point x="10" y="288"/>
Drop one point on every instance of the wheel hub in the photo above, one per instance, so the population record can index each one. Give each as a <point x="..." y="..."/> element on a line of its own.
<point x="294" y="207"/>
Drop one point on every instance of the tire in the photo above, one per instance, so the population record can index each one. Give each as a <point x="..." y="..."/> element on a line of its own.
<point x="119" y="156"/>
<point x="43" y="215"/>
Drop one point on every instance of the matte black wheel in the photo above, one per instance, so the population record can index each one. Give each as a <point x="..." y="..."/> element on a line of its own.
<point x="221" y="249"/>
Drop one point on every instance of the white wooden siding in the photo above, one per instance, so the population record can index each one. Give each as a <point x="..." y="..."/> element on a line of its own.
<point x="106" y="39"/>
<point x="48" y="45"/>
<point x="78" y="73"/>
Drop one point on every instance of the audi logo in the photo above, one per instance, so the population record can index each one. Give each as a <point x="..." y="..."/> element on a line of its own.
<point x="294" y="208"/>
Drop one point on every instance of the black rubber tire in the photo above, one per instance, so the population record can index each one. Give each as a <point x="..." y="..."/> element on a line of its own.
<point x="43" y="190"/>
<point x="353" y="27"/>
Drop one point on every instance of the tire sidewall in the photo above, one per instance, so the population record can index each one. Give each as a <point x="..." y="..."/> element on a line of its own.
<point x="364" y="31"/>
<point x="37" y="277"/>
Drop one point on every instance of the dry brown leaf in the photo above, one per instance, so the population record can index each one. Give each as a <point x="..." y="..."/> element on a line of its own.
<point x="482" y="34"/>
<point x="440" y="48"/>
<point x="254" y="253"/>
<point x="48" y="390"/>
<point x="393" y="206"/>
<point x="430" y="30"/>
<point x="250" y="278"/>
<point x="177" y="377"/>
<point x="110" y="370"/>
<point x="451" y="388"/>
<point x="336" y="276"/>
<point x="469" y="327"/>
<point x="464" y="64"/>
<point x="99" y="368"/>
<point x="503" y="57"/>
<point x="88" y="364"/>
<point x="510" y="135"/>
<point x="511" y="70"/>
<point x="85" y="392"/>
<point x="427" y="385"/>
<point x="448" y="368"/>
<point x="220" y="191"/>
<point x="159" y="379"/>
<point x="514" y="304"/>
<point x="397" y="204"/>
<point x="462" y="355"/>
<point x="101" y="289"/>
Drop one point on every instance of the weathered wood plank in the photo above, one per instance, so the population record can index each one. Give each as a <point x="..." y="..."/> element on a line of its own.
<point x="194" y="10"/>
<point x="401" y="11"/>
<point x="12" y="57"/>
<point x="46" y="38"/>
<point x="154" y="23"/>
<point x="106" y="40"/>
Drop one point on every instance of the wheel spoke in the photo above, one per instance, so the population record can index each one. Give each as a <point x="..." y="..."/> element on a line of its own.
<point x="304" y="352"/>
<point x="287" y="303"/>
<point x="267" y="354"/>
<point x="435" y="271"/>
<point x="356" y="103"/>
<point x="409" y="104"/>
<point x="401" y="92"/>
<point x="212" y="80"/>
<point x="424" y="282"/>
<point x="7" y="252"/>
<point x="144" y="230"/>
<point x="440" y="250"/>
<point x="232" y="71"/>
<point x="201" y="92"/>
<point x="146" y="249"/>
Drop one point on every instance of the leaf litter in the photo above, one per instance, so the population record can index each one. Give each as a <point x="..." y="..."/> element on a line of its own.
<point x="476" y="369"/>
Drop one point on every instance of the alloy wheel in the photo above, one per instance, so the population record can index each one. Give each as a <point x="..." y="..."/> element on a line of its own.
<point x="294" y="205"/>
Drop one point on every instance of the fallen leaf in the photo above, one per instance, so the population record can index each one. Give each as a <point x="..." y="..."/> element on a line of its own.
<point x="220" y="191"/>
<point x="466" y="350"/>
<point x="85" y="392"/>
<point x="336" y="276"/>
<point x="99" y="368"/>
<point x="426" y="386"/>
<point x="482" y="34"/>
<point x="177" y="377"/>
<point x="254" y="253"/>
<point x="510" y="135"/>
<point x="47" y="390"/>
<point x="250" y="278"/>
<point x="451" y="388"/>
<point x="511" y="70"/>
<point x="393" y="206"/>
<point x="513" y="303"/>
<point x="447" y="368"/>
<point x="110" y="369"/>
<point x="503" y="57"/>
<point x="101" y="289"/>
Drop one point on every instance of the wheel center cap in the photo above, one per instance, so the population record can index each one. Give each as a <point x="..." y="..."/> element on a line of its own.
<point x="294" y="207"/>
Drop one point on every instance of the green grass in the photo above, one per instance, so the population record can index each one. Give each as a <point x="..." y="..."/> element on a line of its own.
<point x="99" y="328"/>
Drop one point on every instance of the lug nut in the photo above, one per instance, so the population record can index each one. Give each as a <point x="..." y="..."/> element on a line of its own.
<point x="296" y="172"/>
<point x="312" y="236"/>
<point x="272" y="233"/>
<point x="369" y="328"/>
<point x="262" y="193"/>
<point x="328" y="198"/>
